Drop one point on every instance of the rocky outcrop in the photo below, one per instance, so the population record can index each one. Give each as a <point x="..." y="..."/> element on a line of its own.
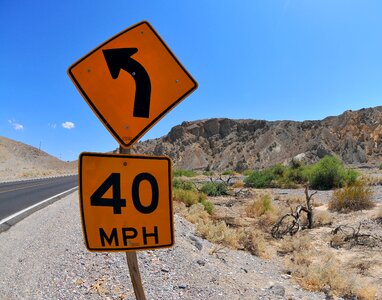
<point x="218" y="144"/>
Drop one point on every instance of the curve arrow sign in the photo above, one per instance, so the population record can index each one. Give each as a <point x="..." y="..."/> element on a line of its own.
<point x="120" y="58"/>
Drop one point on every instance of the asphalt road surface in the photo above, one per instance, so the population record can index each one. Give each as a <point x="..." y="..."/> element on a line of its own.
<point x="16" y="196"/>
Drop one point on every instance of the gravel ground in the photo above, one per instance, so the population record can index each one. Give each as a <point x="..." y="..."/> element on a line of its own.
<point x="43" y="257"/>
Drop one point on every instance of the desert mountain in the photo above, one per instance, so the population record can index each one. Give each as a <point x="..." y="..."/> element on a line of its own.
<point x="18" y="160"/>
<point x="218" y="144"/>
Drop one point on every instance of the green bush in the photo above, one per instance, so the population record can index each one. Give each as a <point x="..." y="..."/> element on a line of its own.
<point x="296" y="175"/>
<point x="247" y="172"/>
<point x="214" y="188"/>
<point x="351" y="198"/>
<point x="278" y="170"/>
<point x="208" y="173"/>
<point x="181" y="184"/>
<point x="260" y="179"/>
<point x="208" y="206"/>
<point x="186" y="173"/>
<point x="330" y="173"/>
<point x="228" y="172"/>
<point x="185" y="191"/>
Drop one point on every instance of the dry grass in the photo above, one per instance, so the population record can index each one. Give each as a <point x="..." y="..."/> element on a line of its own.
<point x="263" y="211"/>
<point x="195" y="214"/>
<point x="188" y="197"/>
<point x="319" y="270"/>
<point x="298" y="243"/>
<point x="220" y="233"/>
<point x="371" y="180"/>
<point x="352" y="198"/>
<point x="322" y="218"/>
<point x="254" y="241"/>
<point x="238" y="184"/>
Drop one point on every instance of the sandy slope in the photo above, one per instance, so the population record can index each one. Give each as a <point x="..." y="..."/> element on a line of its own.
<point x="18" y="160"/>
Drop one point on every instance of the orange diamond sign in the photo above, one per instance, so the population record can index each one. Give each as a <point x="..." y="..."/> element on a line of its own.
<point x="131" y="81"/>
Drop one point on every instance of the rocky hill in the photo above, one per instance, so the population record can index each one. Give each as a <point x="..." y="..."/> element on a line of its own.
<point x="18" y="160"/>
<point x="218" y="144"/>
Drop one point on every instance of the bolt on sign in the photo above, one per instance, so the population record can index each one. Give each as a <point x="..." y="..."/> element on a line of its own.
<point x="131" y="81"/>
<point x="125" y="201"/>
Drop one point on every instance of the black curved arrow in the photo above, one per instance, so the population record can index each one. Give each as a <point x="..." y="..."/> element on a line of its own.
<point x="120" y="58"/>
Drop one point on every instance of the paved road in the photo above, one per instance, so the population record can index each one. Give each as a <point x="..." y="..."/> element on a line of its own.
<point x="16" y="196"/>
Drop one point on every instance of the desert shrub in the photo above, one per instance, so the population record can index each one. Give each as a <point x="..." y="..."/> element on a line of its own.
<point x="263" y="210"/>
<point x="327" y="271"/>
<point x="276" y="176"/>
<point x="208" y="173"/>
<point x="254" y="242"/>
<point x="208" y="206"/>
<point x="238" y="184"/>
<point x="228" y="172"/>
<point x="249" y="239"/>
<point x="352" y="198"/>
<point x="196" y="214"/>
<point x="247" y="172"/>
<point x="185" y="192"/>
<point x="186" y="173"/>
<point x="322" y="218"/>
<point x="260" y="206"/>
<point x="296" y="175"/>
<point x="182" y="184"/>
<point x="220" y="233"/>
<point x="260" y="179"/>
<point x="188" y="197"/>
<point x="214" y="188"/>
<point x="278" y="170"/>
<point x="290" y="244"/>
<point x="380" y="166"/>
<point x="296" y="163"/>
<point x="330" y="173"/>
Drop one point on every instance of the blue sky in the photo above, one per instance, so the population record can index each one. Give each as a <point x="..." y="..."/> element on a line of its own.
<point x="265" y="59"/>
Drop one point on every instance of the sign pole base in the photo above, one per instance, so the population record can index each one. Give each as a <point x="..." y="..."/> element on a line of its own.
<point x="132" y="261"/>
<point x="135" y="276"/>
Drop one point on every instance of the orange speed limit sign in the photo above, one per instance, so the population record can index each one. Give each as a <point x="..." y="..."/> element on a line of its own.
<point x="125" y="202"/>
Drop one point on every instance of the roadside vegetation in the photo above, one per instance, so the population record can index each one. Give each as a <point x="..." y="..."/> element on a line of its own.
<point x="241" y="211"/>
<point x="326" y="174"/>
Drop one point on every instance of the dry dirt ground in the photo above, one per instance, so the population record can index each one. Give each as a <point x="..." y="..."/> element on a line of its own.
<point x="321" y="258"/>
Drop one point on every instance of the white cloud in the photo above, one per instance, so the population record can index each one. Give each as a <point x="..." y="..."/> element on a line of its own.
<point x="67" y="125"/>
<point x="52" y="125"/>
<point x="15" y="125"/>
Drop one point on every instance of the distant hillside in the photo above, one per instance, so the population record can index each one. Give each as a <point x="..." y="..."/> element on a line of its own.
<point x="18" y="160"/>
<point x="354" y="136"/>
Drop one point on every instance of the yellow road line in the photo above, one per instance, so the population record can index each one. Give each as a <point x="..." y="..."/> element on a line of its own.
<point x="22" y="188"/>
